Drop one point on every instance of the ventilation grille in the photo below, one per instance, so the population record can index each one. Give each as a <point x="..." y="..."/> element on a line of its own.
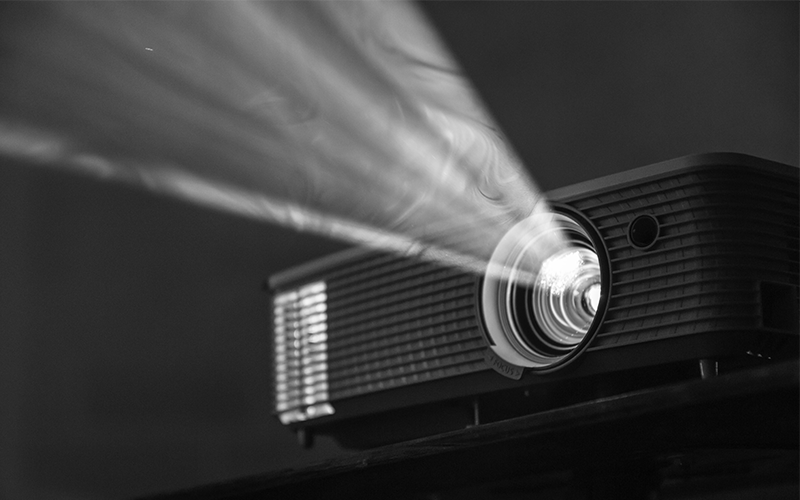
<point x="392" y="322"/>
<point x="300" y="347"/>
<point x="722" y="230"/>
<point x="396" y="322"/>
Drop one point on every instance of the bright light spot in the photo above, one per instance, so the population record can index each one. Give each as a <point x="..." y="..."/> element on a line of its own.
<point x="592" y="297"/>
<point x="559" y="271"/>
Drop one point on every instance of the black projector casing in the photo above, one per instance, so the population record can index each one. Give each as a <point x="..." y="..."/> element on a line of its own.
<point x="403" y="351"/>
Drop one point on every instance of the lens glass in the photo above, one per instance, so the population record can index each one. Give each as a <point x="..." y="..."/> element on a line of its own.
<point x="566" y="294"/>
<point x="543" y="296"/>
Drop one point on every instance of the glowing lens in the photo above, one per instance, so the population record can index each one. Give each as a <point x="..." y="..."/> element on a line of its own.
<point x="542" y="295"/>
<point x="566" y="294"/>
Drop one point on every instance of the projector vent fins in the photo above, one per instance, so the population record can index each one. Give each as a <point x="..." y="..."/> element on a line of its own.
<point x="300" y="346"/>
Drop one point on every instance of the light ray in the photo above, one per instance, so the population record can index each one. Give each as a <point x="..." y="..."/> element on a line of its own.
<point x="346" y="119"/>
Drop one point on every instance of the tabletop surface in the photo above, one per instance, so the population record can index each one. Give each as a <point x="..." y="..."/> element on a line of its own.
<point x="737" y="431"/>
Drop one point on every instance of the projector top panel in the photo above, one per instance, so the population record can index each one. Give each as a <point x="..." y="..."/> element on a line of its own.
<point x="669" y="167"/>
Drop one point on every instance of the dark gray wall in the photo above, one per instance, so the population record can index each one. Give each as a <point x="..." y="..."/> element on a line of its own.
<point x="586" y="88"/>
<point x="133" y="349"/>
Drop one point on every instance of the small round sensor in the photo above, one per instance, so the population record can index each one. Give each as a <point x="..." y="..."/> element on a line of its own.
<point x="643" y="231"/>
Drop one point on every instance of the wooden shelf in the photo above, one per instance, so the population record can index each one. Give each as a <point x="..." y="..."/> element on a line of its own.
<point x="735" y="433"/>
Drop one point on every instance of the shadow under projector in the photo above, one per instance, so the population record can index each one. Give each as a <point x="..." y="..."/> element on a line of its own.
<point x="674" y="269"/>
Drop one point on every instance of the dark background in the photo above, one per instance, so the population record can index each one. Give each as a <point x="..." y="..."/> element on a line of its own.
<point x="133" y="331"/>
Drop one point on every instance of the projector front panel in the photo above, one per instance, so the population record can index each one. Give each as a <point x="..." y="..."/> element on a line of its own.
<point x="401" y="332"/>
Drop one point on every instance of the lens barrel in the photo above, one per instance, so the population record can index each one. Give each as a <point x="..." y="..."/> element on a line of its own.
<point x="545" y="291"/>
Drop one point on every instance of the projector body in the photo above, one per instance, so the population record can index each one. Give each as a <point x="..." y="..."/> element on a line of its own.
<point x="702" y="270"/>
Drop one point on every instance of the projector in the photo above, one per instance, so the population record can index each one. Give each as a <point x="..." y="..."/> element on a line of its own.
<point x="675" y="270"/>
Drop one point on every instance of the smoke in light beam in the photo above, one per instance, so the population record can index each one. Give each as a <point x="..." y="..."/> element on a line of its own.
<point x="347" y="119"/>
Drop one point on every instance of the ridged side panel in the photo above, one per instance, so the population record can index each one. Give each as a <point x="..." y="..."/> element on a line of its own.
<point x="721" y="231"/>
<point x="394" y="322"/>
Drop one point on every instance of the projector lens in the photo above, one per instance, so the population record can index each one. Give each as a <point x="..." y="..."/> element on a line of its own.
<point x="545" y="291"/>
<point x="566" y="294"/>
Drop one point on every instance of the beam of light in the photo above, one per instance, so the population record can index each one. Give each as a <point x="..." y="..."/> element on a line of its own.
<point x="347" y="119"/>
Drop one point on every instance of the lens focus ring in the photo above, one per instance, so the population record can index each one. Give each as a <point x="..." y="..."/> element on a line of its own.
<point x="545" y="290"/>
